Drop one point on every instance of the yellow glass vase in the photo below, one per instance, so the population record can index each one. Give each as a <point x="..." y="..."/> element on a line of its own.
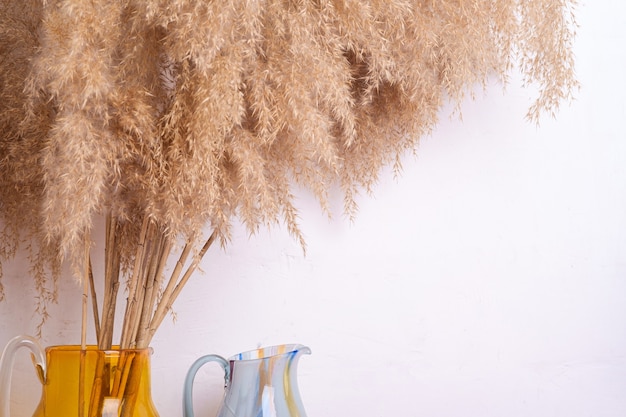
<point x="94" y="383"/>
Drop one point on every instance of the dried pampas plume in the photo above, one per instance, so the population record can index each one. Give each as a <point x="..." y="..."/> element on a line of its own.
<point x="170" y="116"/>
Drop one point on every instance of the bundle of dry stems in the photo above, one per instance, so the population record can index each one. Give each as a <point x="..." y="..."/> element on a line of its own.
<point x="171" y="117"/>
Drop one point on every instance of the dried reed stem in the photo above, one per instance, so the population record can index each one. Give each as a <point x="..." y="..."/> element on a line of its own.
<point x="192" y="268"/>
<point x="94" y="301"/>
<point x="81" y="382"/>
<point x="150" y="302"/>
<point x="83" y="335"/>
<point x="174" y="287"/>
<point x="162" y="309"/>
<point x="111" y="283"/>
<point x="85" y="297"/>
<point x="130" y="388"/>
<point x="135" y="288"/>
<point x="122" y="373"/>
<point x="98" y="388"/>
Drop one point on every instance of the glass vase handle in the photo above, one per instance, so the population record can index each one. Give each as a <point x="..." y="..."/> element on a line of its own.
<point x="191" y="374"/>
<point x="6" y="367"/>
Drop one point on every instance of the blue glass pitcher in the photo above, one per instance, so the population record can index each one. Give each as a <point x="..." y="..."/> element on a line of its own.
<point x="258" y="383"/>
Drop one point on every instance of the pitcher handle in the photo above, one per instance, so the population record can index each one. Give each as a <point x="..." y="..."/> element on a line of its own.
<point x="191" y="374"/>
<point x="6" y="367"/>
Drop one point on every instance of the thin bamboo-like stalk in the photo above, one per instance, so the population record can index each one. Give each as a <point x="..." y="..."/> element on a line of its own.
<point x="162" y="308"/>
<point x="192" y="268"/>
<point x="94" y="301"/>
<point x="132" y="302"/>
<point x="150" y="289"/>
<point x="168" y="298"/>
<point x="81" y="382"/>
<point x="143" y="284"/>
<point x="122" y="372"/>
<point x="85" y="297"/>
<point x="83" y="336"/>
<point x="98" y="387"/>
<point x="150" y="301"/>
<point x="129" y="382"/>
<point x="111" y="283"/>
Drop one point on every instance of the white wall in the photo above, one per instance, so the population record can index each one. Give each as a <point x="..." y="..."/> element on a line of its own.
<point x="488" y="280"/>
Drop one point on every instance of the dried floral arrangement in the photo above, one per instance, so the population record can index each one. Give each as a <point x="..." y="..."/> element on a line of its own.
<point x="172" y="117"/>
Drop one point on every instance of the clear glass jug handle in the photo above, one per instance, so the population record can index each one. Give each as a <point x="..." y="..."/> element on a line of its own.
<point x="191" y="374"/>
<point x="6" y="367"/>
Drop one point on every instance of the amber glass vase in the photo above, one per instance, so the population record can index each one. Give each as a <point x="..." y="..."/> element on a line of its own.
<point x="95" y="383"/>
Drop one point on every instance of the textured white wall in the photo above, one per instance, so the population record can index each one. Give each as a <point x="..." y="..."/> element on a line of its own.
<point x="488" y="280"/>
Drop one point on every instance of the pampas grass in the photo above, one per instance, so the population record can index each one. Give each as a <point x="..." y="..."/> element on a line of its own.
<point x="173" y="117"/>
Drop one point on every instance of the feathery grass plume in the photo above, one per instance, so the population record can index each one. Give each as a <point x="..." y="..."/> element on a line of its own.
<point x="546" y="37"/>
<point x="171" y="117"/>
<point x="21" y="176"/>
<point x="74" y="66"/>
